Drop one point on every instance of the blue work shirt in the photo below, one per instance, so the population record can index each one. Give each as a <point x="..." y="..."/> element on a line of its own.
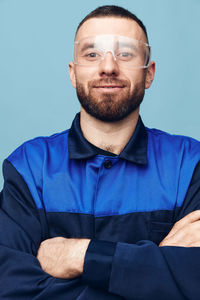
<point x="126" y="204"/>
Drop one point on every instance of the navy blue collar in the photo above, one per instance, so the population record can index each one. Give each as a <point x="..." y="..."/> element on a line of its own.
<point x="135" y="151"/>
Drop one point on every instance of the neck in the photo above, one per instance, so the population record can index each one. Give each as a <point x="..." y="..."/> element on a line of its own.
<point x="111" y="137"/>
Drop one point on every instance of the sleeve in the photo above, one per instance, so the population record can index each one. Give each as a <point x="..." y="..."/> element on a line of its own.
<point x="22" y="229"/>
<point x="144" y="270"/>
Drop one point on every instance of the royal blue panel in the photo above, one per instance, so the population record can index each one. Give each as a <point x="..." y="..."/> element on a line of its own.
<point x="60" y="184"/>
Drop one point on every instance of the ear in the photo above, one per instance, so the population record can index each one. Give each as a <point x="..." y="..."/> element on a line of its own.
<point x="72" y="74"/>
<point x="150" y="74"/>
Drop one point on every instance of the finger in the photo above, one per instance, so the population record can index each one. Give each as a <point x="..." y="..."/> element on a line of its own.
<point x="194" y="244"/>
<point x="180" y="244"/>
<point x="184" y="237"/>
<point x="190" y="218"/>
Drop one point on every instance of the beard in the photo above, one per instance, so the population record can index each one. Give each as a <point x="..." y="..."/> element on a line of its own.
<point x="110" y="107"/>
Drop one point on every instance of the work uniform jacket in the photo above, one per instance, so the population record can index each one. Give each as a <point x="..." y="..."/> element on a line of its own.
<point x="126" y="204"/>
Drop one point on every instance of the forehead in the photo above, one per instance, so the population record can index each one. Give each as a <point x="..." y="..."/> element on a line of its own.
<point x="111" y="25"/>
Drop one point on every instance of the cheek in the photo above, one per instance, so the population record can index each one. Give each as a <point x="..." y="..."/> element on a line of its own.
<point x="84" y="76"/>
<point x="136" y="78"/>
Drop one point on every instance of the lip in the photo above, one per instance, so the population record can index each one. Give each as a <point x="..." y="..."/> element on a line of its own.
<point x="109" y="86"/>
<point x="109" y="89"/>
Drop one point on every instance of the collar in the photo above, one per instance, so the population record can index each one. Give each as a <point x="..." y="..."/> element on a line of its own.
<point x="135" y="151"/>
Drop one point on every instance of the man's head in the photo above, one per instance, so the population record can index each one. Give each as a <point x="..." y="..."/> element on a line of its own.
<point x="113" y="11"/>
<point x="110" y="85"/>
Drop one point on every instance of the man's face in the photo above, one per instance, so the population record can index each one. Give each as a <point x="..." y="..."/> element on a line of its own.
<point x="106" y="90"/>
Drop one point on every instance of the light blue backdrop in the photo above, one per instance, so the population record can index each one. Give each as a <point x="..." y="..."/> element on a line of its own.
<point x="36" y="38"/>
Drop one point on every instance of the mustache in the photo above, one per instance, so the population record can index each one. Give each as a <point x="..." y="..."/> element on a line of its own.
<point x="107" y="81"/>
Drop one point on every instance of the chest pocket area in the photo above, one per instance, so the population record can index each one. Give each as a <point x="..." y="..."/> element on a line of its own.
<point x="159" y="230"/>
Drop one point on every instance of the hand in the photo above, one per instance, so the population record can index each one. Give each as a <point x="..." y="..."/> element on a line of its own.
<point x="185" y="232"/>
<point x="61" y="257"/>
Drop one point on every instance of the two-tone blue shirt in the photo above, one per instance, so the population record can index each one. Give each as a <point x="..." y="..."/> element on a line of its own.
<point x="62" y="186"/>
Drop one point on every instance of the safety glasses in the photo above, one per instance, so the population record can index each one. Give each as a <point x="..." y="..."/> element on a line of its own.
<point x="127" y="52"/>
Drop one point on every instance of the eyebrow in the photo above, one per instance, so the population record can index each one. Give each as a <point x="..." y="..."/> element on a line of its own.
<point x="92" y="46"/>
<point x="132" y="46"/>
<point x="87" y="46"/>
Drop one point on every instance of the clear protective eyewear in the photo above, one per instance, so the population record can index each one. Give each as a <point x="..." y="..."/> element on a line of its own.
<point x="127" y="52"/>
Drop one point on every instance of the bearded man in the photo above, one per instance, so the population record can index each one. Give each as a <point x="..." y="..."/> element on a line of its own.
<point x="108" y="209"/>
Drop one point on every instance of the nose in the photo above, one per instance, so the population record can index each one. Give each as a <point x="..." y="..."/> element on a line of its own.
<point x="108" y="66"/>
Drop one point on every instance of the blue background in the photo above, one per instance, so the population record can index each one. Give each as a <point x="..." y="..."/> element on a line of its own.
<point x="36" y="41"/>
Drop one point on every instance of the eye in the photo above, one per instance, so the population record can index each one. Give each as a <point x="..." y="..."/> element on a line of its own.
<point x="126" y="55"/>
<point x="92" y="55"/>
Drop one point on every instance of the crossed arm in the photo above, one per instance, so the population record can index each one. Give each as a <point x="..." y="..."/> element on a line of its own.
<point x="64" y="258"/>
<point x="139" y="270"/>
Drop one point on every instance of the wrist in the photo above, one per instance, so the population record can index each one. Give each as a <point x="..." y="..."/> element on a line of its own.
<point x="84" y="243"/>
<point x="75" y="256"/>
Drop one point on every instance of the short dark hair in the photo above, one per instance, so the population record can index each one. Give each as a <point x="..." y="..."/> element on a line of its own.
<point x="112" y="11"/>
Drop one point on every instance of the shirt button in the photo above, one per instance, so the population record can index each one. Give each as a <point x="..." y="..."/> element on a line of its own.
<point x="108" y="164"/>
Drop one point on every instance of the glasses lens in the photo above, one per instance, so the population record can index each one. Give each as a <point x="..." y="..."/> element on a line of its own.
<point x="128" y="52"/>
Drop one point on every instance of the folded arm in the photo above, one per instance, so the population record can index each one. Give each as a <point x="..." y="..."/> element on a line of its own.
<point x="145" y="270"/>
<point x="22" y="230"/>
<point x="139" y="270"/>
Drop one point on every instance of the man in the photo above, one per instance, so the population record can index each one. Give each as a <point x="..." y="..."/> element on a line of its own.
<point x="109" y="208"/>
